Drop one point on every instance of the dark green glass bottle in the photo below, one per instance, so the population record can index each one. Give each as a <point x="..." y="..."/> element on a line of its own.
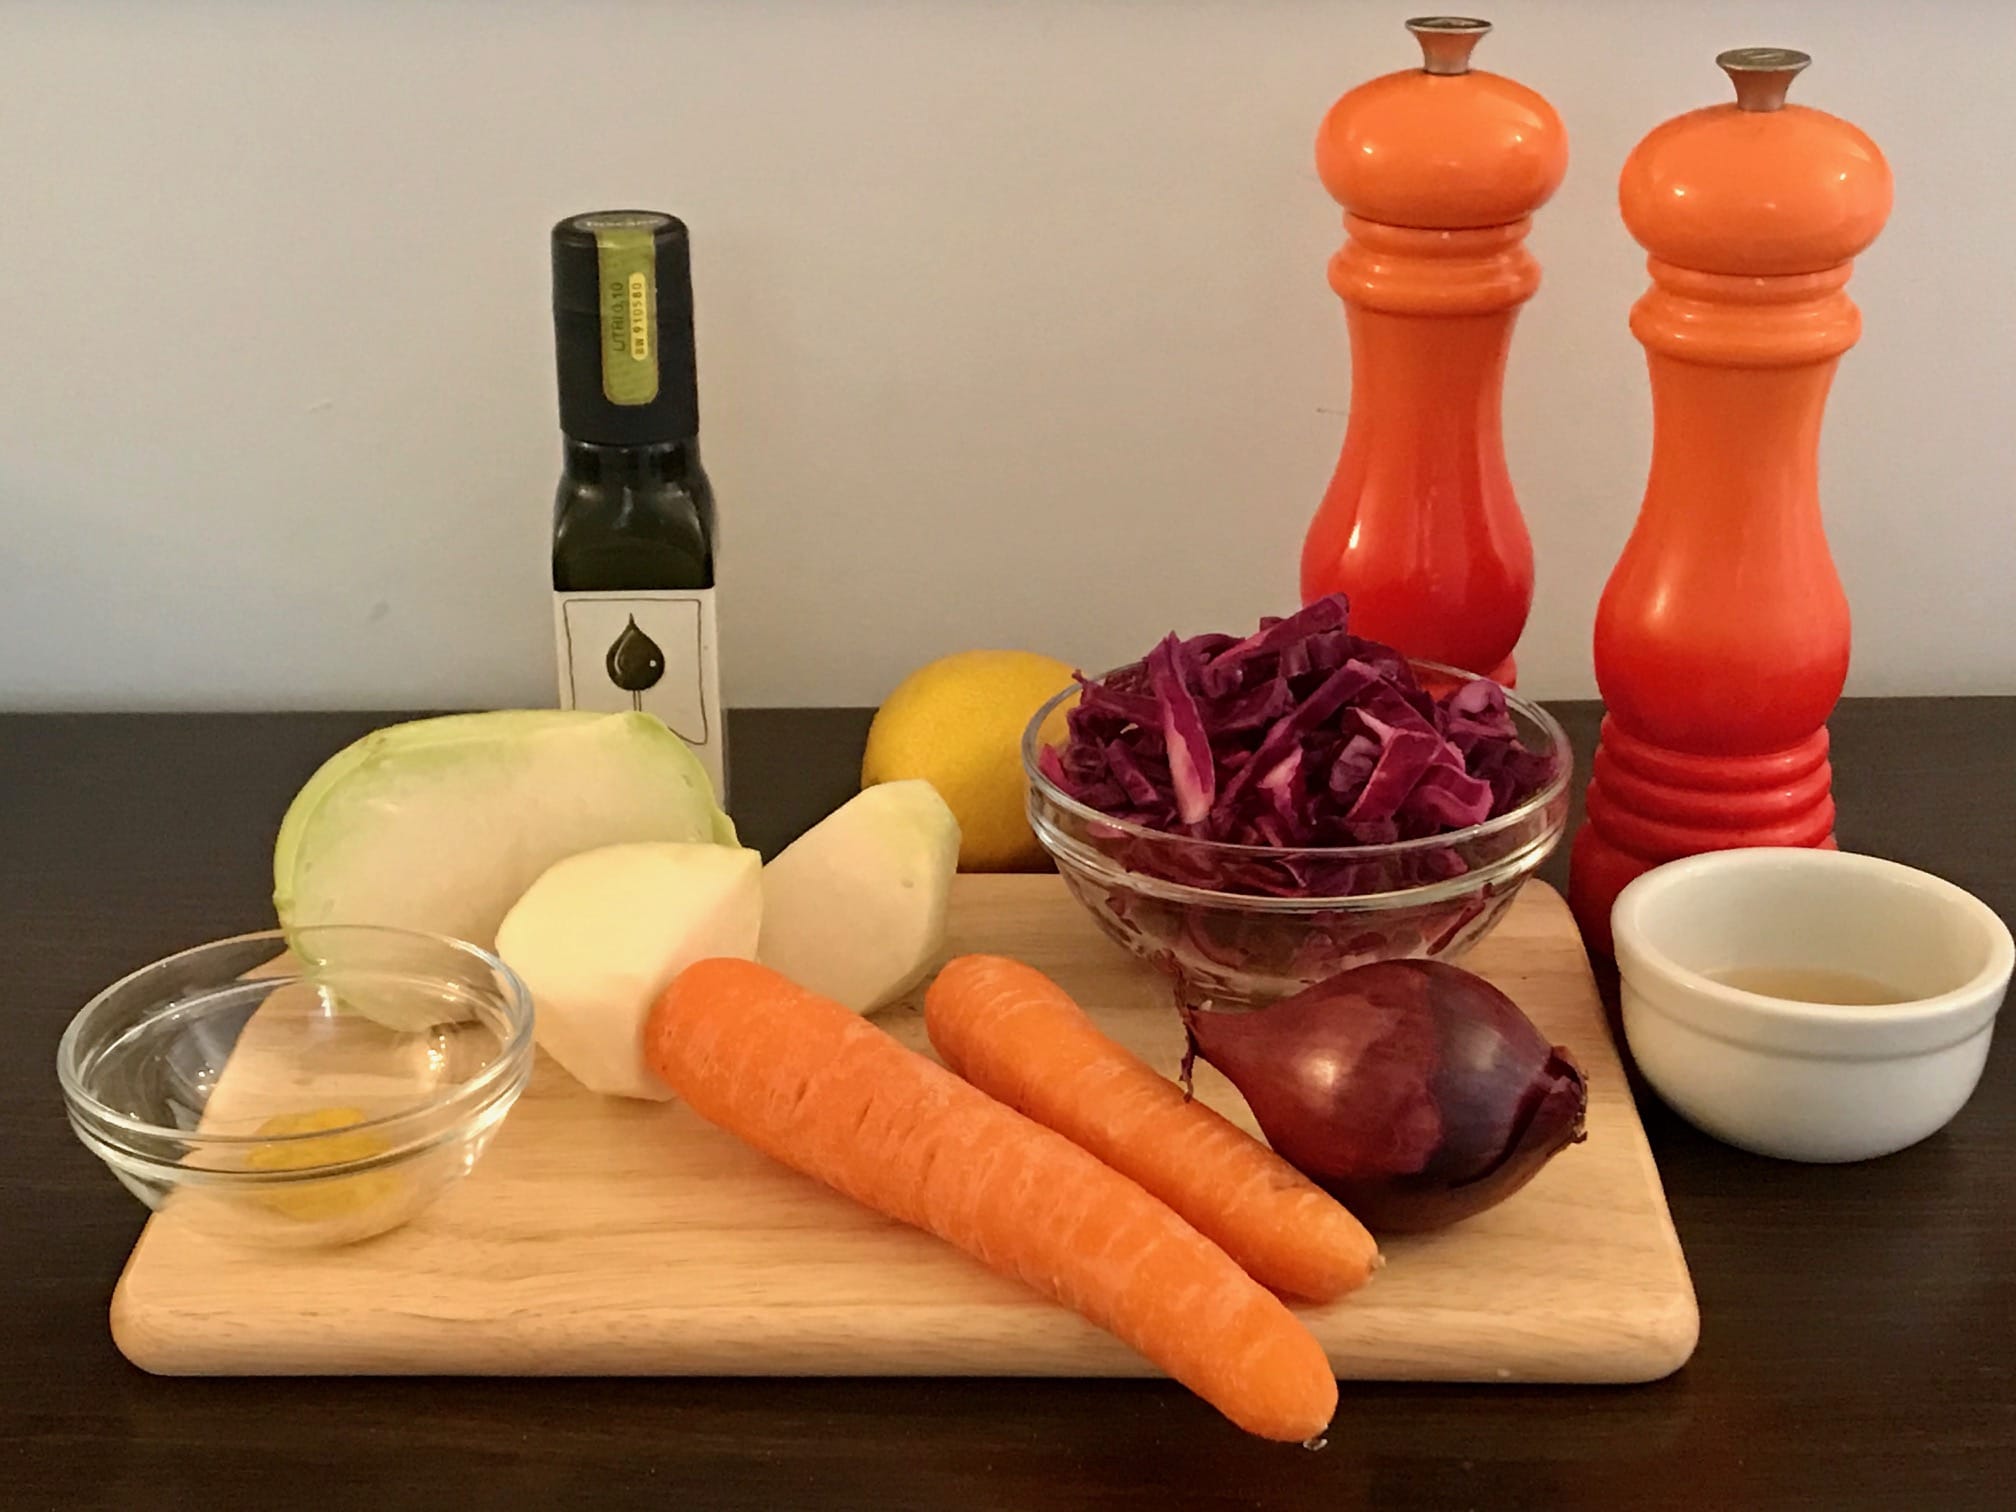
<point x="633" y="521"/>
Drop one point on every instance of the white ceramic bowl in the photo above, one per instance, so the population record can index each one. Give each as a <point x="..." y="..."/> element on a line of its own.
<point x="1797" y="1079"/>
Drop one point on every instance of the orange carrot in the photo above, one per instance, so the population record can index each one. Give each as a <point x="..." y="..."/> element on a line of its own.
<point x="827" y="1093"/>
<point x="1018" y="1036"/>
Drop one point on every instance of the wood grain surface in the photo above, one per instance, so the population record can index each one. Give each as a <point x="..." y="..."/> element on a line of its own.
<point x="603" y="1236"/>
<point x="1854" y="1352"/>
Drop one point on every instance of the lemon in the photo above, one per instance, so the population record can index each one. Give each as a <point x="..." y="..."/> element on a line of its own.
<point x="958" y="724"/>
<point x="337" y="1197"/>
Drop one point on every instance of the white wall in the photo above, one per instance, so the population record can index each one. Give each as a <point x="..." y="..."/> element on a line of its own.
<point x="1013" y="326"/>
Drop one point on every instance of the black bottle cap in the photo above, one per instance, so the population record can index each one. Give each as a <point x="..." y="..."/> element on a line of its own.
<point x="623" y="328"/>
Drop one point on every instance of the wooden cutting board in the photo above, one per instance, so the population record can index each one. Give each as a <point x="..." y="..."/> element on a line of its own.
<point x="600" y="1236"/>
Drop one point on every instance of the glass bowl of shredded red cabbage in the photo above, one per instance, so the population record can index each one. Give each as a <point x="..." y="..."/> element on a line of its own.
<point x="1255" y="814"/>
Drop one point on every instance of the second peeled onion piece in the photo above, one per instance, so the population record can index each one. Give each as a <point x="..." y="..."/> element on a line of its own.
<point x="1415" y="1092"/>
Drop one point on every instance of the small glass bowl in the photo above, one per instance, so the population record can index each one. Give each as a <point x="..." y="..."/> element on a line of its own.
<point x="310" y="1088"/>
<point x="1434" y="897"/>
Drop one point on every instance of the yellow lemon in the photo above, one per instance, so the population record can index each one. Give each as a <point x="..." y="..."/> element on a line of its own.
<point x="958" y="724"/>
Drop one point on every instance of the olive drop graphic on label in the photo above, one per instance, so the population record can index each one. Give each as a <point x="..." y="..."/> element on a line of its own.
<point x="635" y="663"/>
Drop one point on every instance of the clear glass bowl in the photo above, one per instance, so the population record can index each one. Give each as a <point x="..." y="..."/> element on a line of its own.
<point x="306" y="1096"/>
<point x="1433" y="897"/>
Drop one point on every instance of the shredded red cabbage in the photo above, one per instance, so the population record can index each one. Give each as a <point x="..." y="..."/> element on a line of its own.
<point x="1300" y="736"/>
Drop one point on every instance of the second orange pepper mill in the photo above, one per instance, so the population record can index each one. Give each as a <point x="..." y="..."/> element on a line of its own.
<point x="1722" y="636"/>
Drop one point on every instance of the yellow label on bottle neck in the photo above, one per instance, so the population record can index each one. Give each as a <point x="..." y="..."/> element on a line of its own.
<point x="627" y="260"/>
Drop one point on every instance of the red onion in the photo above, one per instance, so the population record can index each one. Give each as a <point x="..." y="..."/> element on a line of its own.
<point x="1414" y="1092"/>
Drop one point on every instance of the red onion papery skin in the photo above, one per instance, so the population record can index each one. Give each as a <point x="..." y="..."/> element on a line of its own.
<point x="1414" y="1092"/>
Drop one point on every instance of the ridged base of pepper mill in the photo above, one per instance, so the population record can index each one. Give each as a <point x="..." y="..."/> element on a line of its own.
<point x="1647" y="806"/>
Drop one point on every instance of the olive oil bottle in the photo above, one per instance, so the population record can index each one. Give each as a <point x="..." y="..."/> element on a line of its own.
<point x="633" y="521"/>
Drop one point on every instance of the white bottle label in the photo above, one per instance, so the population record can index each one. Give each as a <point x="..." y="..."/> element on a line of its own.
<point x="649" y="650"/>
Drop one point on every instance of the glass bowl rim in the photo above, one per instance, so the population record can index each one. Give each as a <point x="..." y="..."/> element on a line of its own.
<point x="1557" y="746"/>
<point x="500" y="1077"/>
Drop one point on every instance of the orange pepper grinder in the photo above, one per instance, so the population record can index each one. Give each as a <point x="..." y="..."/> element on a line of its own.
<point x="1439" y="170"/>
<point x="1722" y="636"/>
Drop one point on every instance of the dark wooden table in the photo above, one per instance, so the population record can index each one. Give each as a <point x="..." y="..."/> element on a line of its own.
<point x="1858" y="1323"/>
